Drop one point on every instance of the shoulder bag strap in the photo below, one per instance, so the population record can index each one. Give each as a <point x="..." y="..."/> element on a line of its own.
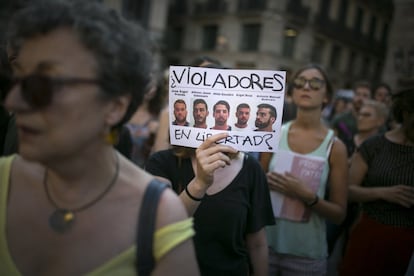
<point x="145" y="260"/>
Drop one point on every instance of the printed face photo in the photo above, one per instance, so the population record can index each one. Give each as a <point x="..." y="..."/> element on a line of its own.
<point x="200" y="114"/>
<point x="263" y="118"/>
<point x="243" y="115"/>
<point x="180" y="112"/>
<point x="221" y="114"/>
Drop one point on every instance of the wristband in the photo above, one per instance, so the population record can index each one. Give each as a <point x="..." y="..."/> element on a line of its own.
<point x="316" y="200"/>
<point x="191" y="196"/>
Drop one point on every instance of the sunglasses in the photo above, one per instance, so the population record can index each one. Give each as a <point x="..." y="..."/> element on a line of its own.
<point x="314" y="83"/>
<point x="37" y="90"/>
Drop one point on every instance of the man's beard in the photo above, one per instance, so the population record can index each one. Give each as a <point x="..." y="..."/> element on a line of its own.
<point x="242" y="122"/>
<point x="221" y="122"/>
<point x="200" y="121"/>
<point x="261" y="125"/>
<point x="180" y="120"/>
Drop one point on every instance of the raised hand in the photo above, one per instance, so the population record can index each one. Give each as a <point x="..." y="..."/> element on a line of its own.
<point x="210" y="156"/>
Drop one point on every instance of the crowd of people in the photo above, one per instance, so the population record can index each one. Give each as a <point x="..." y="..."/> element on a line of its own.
<point x="85" y="151"/>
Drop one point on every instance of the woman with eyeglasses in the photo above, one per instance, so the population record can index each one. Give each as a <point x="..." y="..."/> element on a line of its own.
<point x="69" y="203"/>
<point x="300" y="247"/>
<point x="381" y="179"/>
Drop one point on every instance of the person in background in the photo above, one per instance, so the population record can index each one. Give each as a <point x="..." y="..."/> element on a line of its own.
<point x="371" y="119"/>
<point x="221" y="111"/>
<point x="8" y="132"/>
<point x="300" y="248"/>
<point x="5" y="74"/>
<point x="382" y="93"/>
<point x="144" y="123"/>
<point x="381" y="178"/>
<point x="345" y="124"/>
<point x="68" y="195"/>
<point x="242" y="115"/>
<point x="200" y="113"/>
<point x="226" y="192"/>
<point x="340" y="105"/>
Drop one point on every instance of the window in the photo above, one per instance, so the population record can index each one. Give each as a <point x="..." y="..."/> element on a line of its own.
<point x="358" y="20"/>
<point x="335" y="57"/>
<point x="246" y="5"/>
<point x="351" y="62"/>
<point x="372" y="27"/>
<point x="384" y="34"/>
<point x="343" y="9"/>
<point x="289" y="42"/>
<point x="175" y="38"/>
<point x="366" y="68"/>
<point x="209" y="37"/>
<point x="317" y="50"/>
<point x="250" y="37"/>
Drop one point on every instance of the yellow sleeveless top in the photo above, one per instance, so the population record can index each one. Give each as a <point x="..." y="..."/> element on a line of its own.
<point x="165" y="238"/>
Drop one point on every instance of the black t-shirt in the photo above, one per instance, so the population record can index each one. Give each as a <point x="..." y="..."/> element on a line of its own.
<point x="389" y="164"/>
<point x="222" y="220"/>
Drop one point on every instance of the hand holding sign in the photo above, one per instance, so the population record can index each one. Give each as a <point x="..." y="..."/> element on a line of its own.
<point x="210" y="156"/>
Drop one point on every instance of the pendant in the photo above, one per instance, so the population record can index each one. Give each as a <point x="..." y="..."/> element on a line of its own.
<point x="61" y="220"/>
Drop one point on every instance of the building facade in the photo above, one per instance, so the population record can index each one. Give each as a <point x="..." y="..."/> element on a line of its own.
<point x="351" y="38"/>
<point x="399" y="65"/>
<point x="348" y="37"/>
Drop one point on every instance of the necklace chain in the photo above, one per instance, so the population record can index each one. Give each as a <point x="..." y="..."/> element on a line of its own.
<point x="89" y="204"/>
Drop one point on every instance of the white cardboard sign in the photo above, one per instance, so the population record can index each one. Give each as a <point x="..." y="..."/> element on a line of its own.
<point x="222" y="91"/>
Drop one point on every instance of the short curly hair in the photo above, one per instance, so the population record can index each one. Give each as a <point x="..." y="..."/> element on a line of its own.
<point x="120" y="47"/>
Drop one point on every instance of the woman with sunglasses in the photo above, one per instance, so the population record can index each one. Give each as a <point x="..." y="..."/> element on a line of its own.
<point x="71" y="204"/>
<point x="381" y="179"/>
<point x="300" y="248"/>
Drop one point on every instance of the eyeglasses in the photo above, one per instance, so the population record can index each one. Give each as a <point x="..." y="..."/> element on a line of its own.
<point x="37" y="90"/>
<point x="314" y="83"/>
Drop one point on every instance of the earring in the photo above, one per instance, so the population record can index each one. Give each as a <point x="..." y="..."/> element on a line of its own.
<point x="112" y="137"/>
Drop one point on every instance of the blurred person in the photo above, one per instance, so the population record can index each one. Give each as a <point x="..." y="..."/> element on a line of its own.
<point x="221" y="112"/>
<point x="243" y="116"/>
<point x="5" y="73"/>
<point x="265" y="117"/>
<point x="382" y="93"/>
<point x="370" y="121"/>
<point x="340" y="105"/>
<point x="381" y="179"/>
<point x="144" y="123"/>
<point x="200" y="113"/>
<point x="345" y="124"/>
<point x="300" y="248"/>
<point x="9" y="131"/>
<point x="289" y="108"/>
<point x="68" y="195"/>
<point x="371" y="118"/>
<point x="227" y="193"/>
<point x="180" y="113"/>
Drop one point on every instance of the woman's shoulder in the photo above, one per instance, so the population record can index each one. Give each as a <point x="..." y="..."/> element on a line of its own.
<point x="25" y="170"/>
